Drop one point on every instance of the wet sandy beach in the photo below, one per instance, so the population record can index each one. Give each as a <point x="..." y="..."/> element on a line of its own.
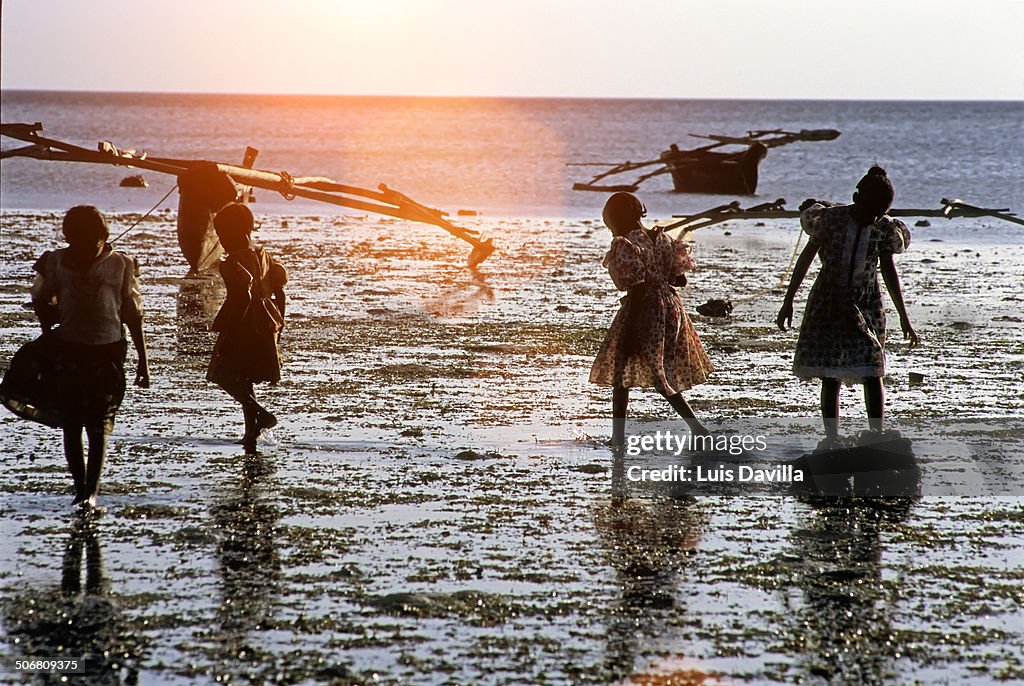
<point x="436" y="506"/>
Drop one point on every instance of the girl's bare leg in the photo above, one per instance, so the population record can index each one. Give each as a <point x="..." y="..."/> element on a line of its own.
<point x="830" y="407"/>
<point x="683" y="409"/>
<point x="94" y="468"/>
<point x="73" y="453"/>
<point x="257" y="417"/>
<point x="251" y="432"/>
<point x="240" y="394"/>
<point x="265" y="419"/>
<point x="620" y="406"/>
<point x="874" y="401"/>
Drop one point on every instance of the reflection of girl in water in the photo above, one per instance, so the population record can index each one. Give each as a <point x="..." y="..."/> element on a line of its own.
<point x="842" y="336"/>
<point x="72" y="622"/>
<point x="247" y="524"/>
<point x="845" y="623"/>
<point x="249" y="323"/>
<point x="648" y="542"/>
<point x="651" y="342"/>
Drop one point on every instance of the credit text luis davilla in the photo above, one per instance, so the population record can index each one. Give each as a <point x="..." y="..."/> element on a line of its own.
<point x="780" y="473"/>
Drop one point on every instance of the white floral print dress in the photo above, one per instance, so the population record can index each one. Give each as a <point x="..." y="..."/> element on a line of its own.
<point x="651" y="342"/>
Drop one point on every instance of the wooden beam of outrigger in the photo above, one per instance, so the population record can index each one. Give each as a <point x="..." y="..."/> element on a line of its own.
<point x="384" y="200"/>
<point x="780" y="137"/>
<point x="951" y="209"/>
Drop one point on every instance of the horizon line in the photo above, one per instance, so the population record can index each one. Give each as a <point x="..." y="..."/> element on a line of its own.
<point x="496" y="97"/>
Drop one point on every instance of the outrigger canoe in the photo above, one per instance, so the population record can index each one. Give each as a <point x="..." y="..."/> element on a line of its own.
<point x="204" y="187"/>
<point x="706" y="169"/>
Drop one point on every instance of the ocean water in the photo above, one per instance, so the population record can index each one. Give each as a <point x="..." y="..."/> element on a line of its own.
<point x="509" y="157"/>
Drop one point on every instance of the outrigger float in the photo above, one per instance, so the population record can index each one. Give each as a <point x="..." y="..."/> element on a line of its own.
<point x="204" y="187"/>
<point x="704" y="169"/>
<point x="951" y="209"/>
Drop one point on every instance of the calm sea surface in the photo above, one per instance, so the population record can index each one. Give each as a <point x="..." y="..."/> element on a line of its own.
<point x="508" y="157"/>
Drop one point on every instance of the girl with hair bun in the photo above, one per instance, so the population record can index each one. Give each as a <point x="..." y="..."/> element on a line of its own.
<point x="842" y="335"/>
<point x="651" y="342"/>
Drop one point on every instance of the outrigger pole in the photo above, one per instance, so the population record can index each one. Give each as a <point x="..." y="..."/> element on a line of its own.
<point x="384" y="200"/>
<point x="951" y="209"/>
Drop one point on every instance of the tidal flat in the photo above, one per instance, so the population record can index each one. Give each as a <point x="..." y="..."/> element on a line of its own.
<point x="437" y="505"/>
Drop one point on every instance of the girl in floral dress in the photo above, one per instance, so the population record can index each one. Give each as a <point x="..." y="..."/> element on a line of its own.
<point x="842" y="336"/>
<point x="651" y="343"/>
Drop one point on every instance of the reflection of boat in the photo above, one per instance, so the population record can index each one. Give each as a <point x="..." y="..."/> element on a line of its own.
<point x="199" y="299"/>
<point x="705" y="169"/>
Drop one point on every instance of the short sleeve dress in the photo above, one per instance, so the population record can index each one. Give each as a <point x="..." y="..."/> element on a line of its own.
<point x="651" y="342"/>
<point x="842" y="335"/>
<point x="248" y="323"/>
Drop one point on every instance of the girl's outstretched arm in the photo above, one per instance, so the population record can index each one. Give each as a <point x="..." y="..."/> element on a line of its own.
<point x="803" y="263"/>
<point x="892" y="283"/>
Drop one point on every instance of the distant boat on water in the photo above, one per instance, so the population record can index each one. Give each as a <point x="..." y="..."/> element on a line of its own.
<point x="706" y="169"/>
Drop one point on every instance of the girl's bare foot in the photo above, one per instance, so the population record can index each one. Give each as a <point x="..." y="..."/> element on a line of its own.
<point x="265" y="420"/>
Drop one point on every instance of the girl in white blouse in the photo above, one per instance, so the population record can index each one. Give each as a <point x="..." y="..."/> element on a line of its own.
<point x="85" y="295"/>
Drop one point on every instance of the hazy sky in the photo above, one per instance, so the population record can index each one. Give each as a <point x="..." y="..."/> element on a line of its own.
<point x="890" y="49"/>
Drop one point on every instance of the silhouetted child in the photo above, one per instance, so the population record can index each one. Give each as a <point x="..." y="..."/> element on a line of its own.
<point x="87" y="293"/>
<point x="651" y="342"/>
<point x="249" y="323"/>
<point x="842" y="336"/>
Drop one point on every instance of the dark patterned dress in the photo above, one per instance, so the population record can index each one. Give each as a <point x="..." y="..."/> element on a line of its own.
<point x="651" y="342"/>
<point x="842" y="335"/>
<point x="249" y="323"/>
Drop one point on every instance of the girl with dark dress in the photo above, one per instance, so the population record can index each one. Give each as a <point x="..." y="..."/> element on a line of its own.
<point x="84" y="296"/>
<point x="249" y="323"/>
<point x="651" y="342"/>
<point x="842" y="336"/>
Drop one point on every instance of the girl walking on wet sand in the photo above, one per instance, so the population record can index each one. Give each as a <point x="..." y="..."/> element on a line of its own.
<point x="651" y="342"/>
<point x="249" y="322"/>
<point x="842" y="336"/>
<point x="72" y="377"/>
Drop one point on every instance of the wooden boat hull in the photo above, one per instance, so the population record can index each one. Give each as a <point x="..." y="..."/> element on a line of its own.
<point x="714" y="172"/>
<point x="202" y="191"/>
<point x="198" y="241"/>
